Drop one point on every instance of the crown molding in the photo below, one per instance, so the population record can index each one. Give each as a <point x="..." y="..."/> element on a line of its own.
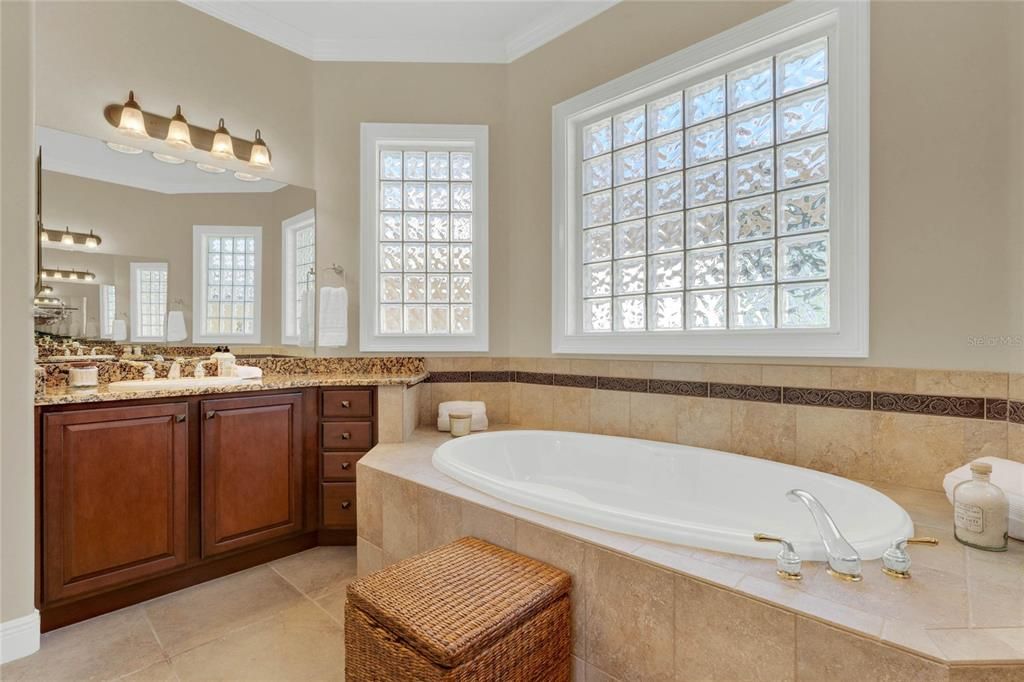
<point x="250" y="18"/>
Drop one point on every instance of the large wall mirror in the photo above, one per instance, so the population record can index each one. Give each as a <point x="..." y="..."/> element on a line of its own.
<point x="183" y="255"/>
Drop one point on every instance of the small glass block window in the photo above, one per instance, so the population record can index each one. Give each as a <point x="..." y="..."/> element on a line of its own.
<point x="108" y="307"/>
<point x="425" y="237"/>
<point x="708" y="207"/>
<point x="303" y="270"/>
<point x="232" y="260"/>
<point x="149" y="301"/>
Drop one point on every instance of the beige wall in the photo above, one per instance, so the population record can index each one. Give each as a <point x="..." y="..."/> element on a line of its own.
<point x="143" y="226"/>
<point x="17" y="210"/>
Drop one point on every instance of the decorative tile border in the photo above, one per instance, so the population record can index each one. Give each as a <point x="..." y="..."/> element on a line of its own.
<point x="906" y="403"/>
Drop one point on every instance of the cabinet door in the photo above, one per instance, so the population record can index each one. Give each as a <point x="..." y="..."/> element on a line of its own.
<point x="115" y="486"/>
<point x="252" y="470"/>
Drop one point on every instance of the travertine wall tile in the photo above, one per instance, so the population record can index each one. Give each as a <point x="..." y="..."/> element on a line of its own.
<point x="985" y="438"/>
<point x="411" y="409"/>
<point x="1015" y="442"/>
<point x="652" y="417"/>
<point x="369" y="502"/>
<point x="571" y="408"/>
<point x="733" y="374"/>
<point x="805" y="376"/>
<point x="496" y="397"/>
<point x="399" y="517"/>
<point x="489" y="525"/>
<point x="834" y="440"/>
<point x="633" y="369"/>
<point x="704" y="422"/>
<point x="561" y="552"/>
<point x="439" y="518"/>
<point x="947" y="382"/>
<point x="679" y="371"/>
<point x="593" y="368"/>
<point x="369" y="557"/>
<point x="609" y="413"/>
<point x="764" y="430"/>
<point x="915" y="450"/>
<point x="391" y="414"/>
<point x="535" y="406"/>
<point x="1016" y="387"/>
<point x="426" y="405"/>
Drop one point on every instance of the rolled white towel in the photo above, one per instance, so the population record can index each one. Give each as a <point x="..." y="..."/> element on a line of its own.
<point x="246" y="372"/>
<point x="476" y="408"/>
<point x="1006" y="474"/>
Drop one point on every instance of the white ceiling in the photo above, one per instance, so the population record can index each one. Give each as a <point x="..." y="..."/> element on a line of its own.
<point x="88" y="157"/>
<point x="488" y="31"/>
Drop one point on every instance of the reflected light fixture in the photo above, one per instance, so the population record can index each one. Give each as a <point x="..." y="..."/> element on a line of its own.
<point x="223" y="147"/>
<point x="178" y="134"/>
<point x="71" y="275"/>
<point x="91" y="241"/>
<point x="260" y="155"/>
<point x="88" y="239"/>
<point x="167" y="158"/>
<point x="124" y="148"/>
<point x="67" y="239"/>
<point x="247" y="177"/>
<point x="207" y="168"/>
<point x="46" y="289"/>
<point x="43" y="236"/>
<point x="132" y="121"/>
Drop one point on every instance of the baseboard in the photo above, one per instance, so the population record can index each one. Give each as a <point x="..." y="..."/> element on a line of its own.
<point x="19" y="637"/>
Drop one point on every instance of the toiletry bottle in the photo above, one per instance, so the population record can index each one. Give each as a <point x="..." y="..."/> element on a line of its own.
<point x="981" y="511"/>
<point x="225" y="361"/>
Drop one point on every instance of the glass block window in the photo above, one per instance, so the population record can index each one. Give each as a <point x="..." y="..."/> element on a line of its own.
<point x="299" y="265"/>
<point x="149" y="301"/>
<point x="108" y="308"/>
<point x="708" y="208"/>
<point x="716" y="201"/>
<point x="226" y="290"/>
<point x="429" y="234"/>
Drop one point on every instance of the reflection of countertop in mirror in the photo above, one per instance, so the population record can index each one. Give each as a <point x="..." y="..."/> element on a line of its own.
<point x="272" y="382"/>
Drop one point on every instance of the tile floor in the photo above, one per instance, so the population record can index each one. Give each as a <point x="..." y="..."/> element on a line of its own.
<point x="280" y="621"/>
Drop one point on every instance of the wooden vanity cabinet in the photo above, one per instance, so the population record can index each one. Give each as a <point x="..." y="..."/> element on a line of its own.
<point x="348" y="429"/>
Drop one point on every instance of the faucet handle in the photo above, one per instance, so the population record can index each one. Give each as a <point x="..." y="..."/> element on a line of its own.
<point x="787" y="561"/>
<point x="896" y="560"/>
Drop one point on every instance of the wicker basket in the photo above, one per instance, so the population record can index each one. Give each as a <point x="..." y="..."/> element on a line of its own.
<point x="464" y="611"/>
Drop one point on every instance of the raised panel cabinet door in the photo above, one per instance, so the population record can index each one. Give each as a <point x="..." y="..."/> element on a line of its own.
<point x="115" y="496"/>
<point x="251" y="470"/>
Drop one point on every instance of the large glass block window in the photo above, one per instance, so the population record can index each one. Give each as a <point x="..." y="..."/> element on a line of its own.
<point x="149" y="301"/>
<point x="227" y="288"/>
<point x="708" y="208"/>
<point x="299" y="278"/>
<point x="716" y="201"/>
<point x="108" y="306"/>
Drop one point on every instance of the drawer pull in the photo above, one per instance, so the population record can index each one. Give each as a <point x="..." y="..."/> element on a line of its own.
<point x="346" y="403"/>
<point x="346" y="435"/>
<point x="211" y="414"/>
<point x="179" y="418"/>
<point x="346" y="465"/>
<point x="346" y="504"/>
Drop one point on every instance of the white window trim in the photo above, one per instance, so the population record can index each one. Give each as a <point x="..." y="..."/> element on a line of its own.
<point x="107" y="314"/>
<point x="372" y="137"/>
<point x="136" y="302"/>
<point x="289" y="228"/>
<point x="199" y="282"/>
<point x="847" y="25"/>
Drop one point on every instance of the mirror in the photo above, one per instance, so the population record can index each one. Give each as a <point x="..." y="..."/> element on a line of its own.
<point x="185" y="257"/>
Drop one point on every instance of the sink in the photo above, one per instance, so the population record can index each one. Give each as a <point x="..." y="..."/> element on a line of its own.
<point x="172" y="384"/>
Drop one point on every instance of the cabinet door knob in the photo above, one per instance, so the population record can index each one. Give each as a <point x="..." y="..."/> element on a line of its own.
<point x="346" y="435"/>
<point x="346" y="465"/>
<point x="346" y="504"/>
<point x="211" y="414"/>
<point x="346" y="403"/>
<point x="179" y="418"/>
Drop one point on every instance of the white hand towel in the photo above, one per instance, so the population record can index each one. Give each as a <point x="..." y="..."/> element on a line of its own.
<point x="1006" y="474"/>
<point x="476" y="408"/>
<point x="333" y="317"/>
<point x="307" y="306"/>
<point x="120" y="330"/>
<point x="246" y="372"/>
<point x="176" y="326"/>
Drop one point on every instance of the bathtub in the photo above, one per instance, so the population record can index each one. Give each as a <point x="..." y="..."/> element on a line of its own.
<point x="674" y="493"/>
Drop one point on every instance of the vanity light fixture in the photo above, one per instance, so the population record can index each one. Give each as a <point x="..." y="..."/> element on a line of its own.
<point x="207" y="168"/>
<point x="70" y="275"/>
<point x="66" y="237"/>
<point x="247" y="177"/>
<point x="178" y="134"/>
<point x="222" y="147"/>
<point x="46" y="300"/>
<point x="46" y="289"/>
<point x="259" y="157"/>
<point x="124" y="148"/>
<point x="167" y="158"/>
<point x="92" y="241"/>
<point x="132" y="121"/>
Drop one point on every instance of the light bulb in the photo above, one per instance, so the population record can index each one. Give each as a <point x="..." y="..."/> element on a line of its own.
<point x="260" y="155"/>
<point x="91" y="241"/>
<point x="88" y="277"/>
<point x="43" y="237"/>
<point x="132" y="123"/>
<point x="178" y="134"/>
<point x="46" y="289"/>
<point x="223" y="147"/>
<point x="56" y="275"/>
<point x="66" y="238"/>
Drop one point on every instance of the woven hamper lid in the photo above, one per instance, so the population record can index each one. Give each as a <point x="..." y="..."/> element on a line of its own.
<point x="454" y="601"/>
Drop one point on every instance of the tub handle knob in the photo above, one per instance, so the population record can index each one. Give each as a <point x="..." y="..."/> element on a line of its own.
<point x="896" y="560"/>
<point x="787" y="562"/>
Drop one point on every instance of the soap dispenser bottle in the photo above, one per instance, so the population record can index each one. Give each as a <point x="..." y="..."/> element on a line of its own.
<point x="225" y="361"/>
<point x="981" y="511"/>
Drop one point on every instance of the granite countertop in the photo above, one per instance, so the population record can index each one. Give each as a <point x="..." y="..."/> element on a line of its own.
<point x="66" y="396"/>
<point x="961" y="606"/>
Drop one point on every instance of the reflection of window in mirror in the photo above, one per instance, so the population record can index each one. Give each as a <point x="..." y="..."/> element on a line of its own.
<point x="108" y="306"/>
<point x="149" y="301"/>
<point x="226" y="267"/>
<point x="298" y="253"/>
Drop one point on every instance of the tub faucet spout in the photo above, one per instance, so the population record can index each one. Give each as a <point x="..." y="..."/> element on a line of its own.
<point x="843" y="559"/>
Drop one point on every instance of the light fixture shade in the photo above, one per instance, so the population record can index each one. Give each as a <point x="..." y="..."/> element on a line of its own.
<point x="167" y="158"/>
<point x="260" y="156"/>
<point x="92" y="241"/>
<point x="207" y="168"/>
<point x="178" y="134"/>
<point x="223" y="147"/>
<point x="132" y="122"/>
<point x="247" y="177"/>
<point x="43" y="237"/>
<point x="67" y="239"/>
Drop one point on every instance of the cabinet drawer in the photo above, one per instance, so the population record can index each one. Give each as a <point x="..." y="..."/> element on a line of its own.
<point x="339" y="501"/>
<point x="346" y="436"/>
<point x="341" y="466"/>
<point x="354" y="403"/>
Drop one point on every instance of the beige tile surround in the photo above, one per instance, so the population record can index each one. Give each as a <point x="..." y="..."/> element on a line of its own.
<point x="651" y="611"/>
<point x="898" y="448"/>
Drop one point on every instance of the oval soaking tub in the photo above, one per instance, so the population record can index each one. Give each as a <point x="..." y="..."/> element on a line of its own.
<point x="675" y="493"/>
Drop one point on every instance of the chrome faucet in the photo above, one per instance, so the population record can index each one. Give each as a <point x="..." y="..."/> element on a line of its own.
<point x="843" y="559"/>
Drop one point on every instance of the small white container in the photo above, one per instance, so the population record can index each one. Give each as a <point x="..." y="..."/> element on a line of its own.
<point x="981" y="511"/>
<point x="461" y="423"/>
<point x="79" y="377"/>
